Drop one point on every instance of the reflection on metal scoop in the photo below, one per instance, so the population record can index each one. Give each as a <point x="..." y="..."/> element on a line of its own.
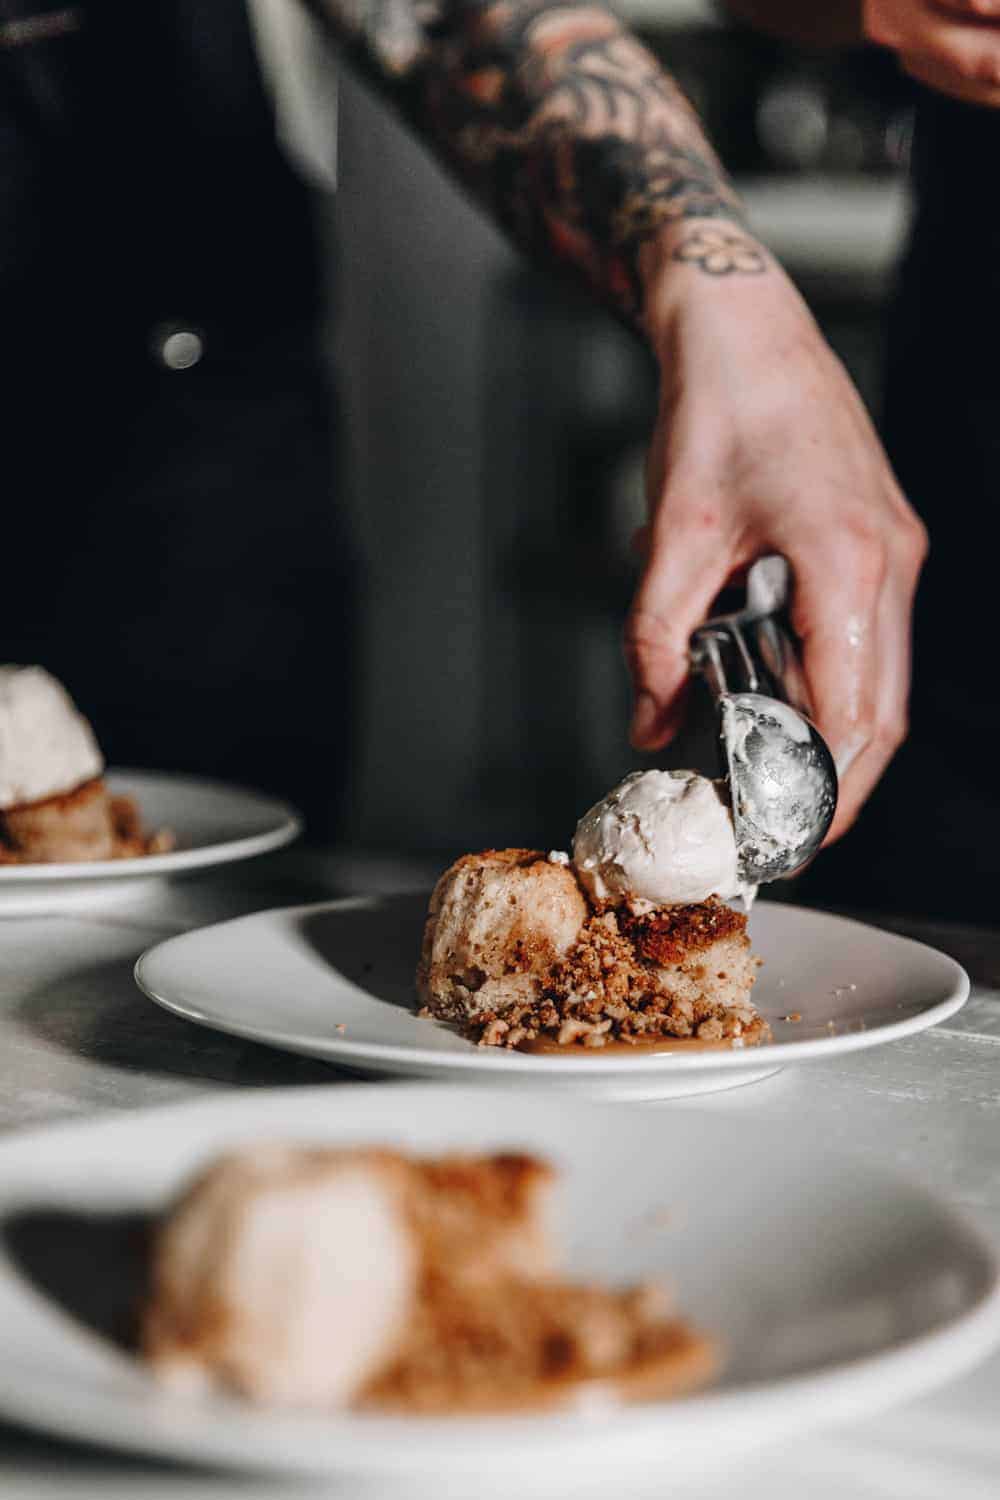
<point x="781" y="775"/>
<point x="782" y="782"/>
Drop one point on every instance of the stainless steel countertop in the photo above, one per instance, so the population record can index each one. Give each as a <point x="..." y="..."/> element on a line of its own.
<point x="77" y="1037"/>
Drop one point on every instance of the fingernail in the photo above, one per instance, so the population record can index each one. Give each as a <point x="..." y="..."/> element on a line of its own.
<point x="644" y="716"/>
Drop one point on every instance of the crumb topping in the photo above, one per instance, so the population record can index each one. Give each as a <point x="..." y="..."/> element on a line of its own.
<point x="523" y="1343"/>
<point x="669" y="934"/>
<point x="617" y="985"/>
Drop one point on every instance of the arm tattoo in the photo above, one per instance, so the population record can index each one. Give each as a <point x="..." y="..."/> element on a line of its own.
<point x="560" y="121"/>
<point x="719" y="252"/>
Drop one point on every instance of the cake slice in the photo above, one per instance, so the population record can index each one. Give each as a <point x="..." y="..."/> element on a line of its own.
<point x="319" y="1278"/>
<point x="68" y="826"/>
<point x="496" y="924"/>
<point x="518" y="955"/>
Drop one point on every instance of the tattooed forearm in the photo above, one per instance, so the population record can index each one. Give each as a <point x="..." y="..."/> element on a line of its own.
<point x="557" y="118"/>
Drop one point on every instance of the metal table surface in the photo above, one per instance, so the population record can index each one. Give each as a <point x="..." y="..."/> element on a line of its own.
<point x="76" y="1037"/>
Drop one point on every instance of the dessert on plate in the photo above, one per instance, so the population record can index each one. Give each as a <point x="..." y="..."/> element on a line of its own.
<point x="54" y="804"/>
<point x="630" y="943"/>
<point x="328" y="1278"/>
<point x="498" y="922"/>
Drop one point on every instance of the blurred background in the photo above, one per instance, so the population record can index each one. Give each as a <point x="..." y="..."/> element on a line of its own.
<point x="400" y="606"/>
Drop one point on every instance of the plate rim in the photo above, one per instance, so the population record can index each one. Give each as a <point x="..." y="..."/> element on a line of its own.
<point x="958" y="1343"/>
<point x="288" y="824"/>
<point x="478" y="1059"/>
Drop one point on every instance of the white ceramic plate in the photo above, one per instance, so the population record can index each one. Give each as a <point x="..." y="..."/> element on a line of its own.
<point x="293" y="977"/>
<point x="836" y="1287"/>
<point x="213" y="824"/>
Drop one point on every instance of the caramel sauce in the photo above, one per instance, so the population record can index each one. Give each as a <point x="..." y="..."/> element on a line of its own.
<point x="649" y="1045"/>
<point x="689" y="1361"/>
<point x="692" y="1362"/>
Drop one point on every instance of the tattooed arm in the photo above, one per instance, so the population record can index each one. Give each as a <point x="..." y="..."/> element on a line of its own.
<point x="585" y="150"/>
<point x="558" y="119"/>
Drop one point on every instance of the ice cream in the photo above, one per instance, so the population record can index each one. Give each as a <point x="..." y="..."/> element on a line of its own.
<point x="46" y="746"/>
<point x="659" y="837"/>
<point x="286" y="1273"/>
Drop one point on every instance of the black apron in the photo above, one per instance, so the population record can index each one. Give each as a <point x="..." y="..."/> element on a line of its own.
<point x="169" y="537"/>
<point x="930" y="840"/>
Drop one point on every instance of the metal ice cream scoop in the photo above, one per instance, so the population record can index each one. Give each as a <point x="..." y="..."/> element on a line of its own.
<point x="781" y="775"/>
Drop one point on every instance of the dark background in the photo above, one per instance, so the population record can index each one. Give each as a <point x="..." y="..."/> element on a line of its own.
<point x="327" y="491"/>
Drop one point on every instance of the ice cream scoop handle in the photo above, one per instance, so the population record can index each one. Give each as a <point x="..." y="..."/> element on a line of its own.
<point x="753" y="650"/>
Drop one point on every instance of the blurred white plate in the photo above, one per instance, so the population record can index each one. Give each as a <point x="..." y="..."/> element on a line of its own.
<point x="293" y="977"/>
<point x="213" y="824"/>
<point x="836" y="1288"/>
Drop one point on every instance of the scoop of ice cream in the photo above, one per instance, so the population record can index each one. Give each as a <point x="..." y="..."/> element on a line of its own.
<point x="285" y="1273"/>
<point x="660" y="836"/>
<point x="496" y="922"/>
<point x="46" y="745"/>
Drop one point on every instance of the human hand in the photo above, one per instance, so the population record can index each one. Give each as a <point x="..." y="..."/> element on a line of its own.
<point x="950" y="45"/>
<point x="762" y="445"/>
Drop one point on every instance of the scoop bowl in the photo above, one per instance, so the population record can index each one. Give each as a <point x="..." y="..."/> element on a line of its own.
<point x="782" y="783"/>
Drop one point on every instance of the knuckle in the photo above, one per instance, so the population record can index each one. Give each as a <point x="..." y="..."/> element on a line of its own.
<point x="864" y="552"/>
<point x="916" y="541"/>
<point x="861" y="528"/>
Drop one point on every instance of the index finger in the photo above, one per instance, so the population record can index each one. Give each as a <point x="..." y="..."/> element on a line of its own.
<point x="686" y="569"/>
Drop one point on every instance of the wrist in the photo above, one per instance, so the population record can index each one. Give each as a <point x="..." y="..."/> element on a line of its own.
<point x="716" y="255"/>
<point x="715" y="274"/>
